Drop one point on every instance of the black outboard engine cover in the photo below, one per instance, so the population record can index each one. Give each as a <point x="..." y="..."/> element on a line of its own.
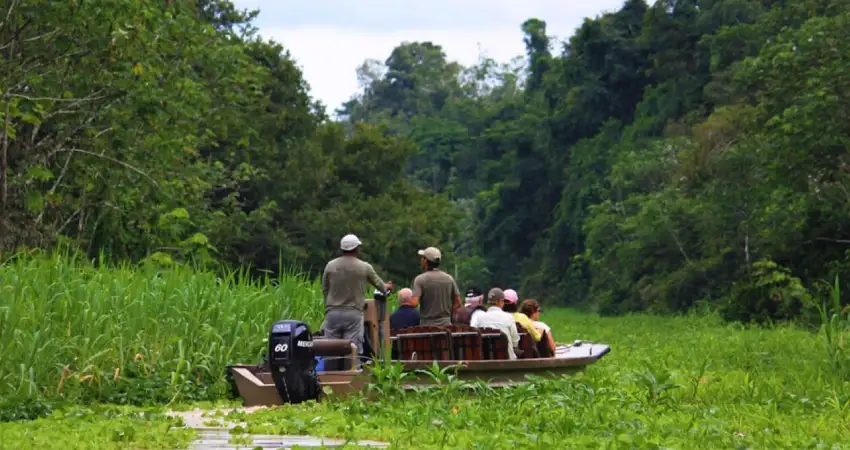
<point x="292" y="362"/>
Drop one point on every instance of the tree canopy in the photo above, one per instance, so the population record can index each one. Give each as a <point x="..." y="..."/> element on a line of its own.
<point x="666" y="155"/>
<point x="169" y="131"/>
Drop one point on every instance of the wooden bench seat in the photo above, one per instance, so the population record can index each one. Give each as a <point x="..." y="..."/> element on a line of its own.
<point x="543" y="350"/>
<point x="494" y="344"/>
<point x="424" y="342"/>
<point x="527" y="346"/>
<point x="466" y="343"/>
<point x="456" y="342"/>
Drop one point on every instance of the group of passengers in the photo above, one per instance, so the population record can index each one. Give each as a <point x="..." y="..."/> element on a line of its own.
<point x="501" y="312"/>
<point x="504" y="312"/>
<point x="434" y="293"/>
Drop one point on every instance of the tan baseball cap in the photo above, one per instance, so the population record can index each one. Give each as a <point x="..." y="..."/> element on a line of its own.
<point x="431" y="254"/>
<point x="495" y="295"/>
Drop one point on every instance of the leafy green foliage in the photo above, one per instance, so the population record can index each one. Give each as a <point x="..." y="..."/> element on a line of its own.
<point x="171" y="332"/>
<point x="745" y="387"/>
<point x="168" y="132"/>
<point x="71" y="332"/>
<point x="666" y="154"/>
<point x="106" y="427"/>
<point x="654" y="161"/>
<point x="770" y="293"/>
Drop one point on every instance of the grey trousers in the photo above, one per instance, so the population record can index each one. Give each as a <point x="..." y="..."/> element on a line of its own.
<point x="436" y="321"/>
<point x="345" y="324"/>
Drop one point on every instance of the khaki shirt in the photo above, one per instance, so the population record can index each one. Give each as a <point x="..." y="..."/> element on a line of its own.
<point x="436" y="291"/>
<point x="343" y="283"/>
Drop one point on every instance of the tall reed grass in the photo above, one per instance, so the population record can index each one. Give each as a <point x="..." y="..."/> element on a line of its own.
<point x="71" y="331"/>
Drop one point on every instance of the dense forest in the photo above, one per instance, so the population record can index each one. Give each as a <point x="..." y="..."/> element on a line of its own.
<point x="666" y="156"/>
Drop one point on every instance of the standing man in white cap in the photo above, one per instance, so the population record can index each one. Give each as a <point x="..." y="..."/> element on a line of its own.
<point x="435" y="291"/>
<point x="343" y="283"/>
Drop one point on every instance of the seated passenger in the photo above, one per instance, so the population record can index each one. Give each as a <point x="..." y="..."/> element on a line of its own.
<point x="464" y="314"/>
<point x="511" y="306"/>
<point x="498" y="319"/>
<point x="406" y="315"/>
<point x="531" y="308"/>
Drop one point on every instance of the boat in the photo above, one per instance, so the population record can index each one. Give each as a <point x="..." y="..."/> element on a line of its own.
<point x="473" y="354"/>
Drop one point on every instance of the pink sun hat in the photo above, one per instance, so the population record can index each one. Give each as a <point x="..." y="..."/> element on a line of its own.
<point x="511" y="296"/>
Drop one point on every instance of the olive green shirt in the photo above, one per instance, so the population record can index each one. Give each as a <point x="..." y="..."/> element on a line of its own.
<point x="436" y="291"/>
<point x="343" y="283"/>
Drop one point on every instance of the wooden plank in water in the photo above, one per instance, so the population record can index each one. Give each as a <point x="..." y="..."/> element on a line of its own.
<point x="217" y="436"/>
<point x="219" y="440"/>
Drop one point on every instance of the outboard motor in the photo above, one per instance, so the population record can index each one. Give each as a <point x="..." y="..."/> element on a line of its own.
<point x="292" y="362"/>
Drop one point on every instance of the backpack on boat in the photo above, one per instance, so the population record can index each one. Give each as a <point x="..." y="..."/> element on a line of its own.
<point x="463" y="315"/>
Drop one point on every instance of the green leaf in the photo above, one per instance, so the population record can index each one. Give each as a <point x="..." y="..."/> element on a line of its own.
<point x="30" y="119"/>
<point x="39" y="173"/>
<point x="34" y="201"/>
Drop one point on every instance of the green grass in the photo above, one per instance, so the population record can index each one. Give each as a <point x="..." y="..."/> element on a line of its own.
<point x="687" y="382"/>
<point x="71" y="332"/>
<point x="99" y="427"/>
<point x="669" y="382"/>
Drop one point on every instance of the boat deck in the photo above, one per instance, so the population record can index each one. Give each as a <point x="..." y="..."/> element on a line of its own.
<point x="256" y="387"/>
<point x="478" y="354"/>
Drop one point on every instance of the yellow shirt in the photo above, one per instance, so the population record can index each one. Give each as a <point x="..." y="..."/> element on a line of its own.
<point x="526" y="323"/>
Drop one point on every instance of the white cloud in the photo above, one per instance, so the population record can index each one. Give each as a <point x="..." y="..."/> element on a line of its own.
<point x="330" y="47"/>
<point x="330" y="56"/>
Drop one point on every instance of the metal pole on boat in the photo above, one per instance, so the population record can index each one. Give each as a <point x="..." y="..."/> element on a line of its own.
<point x="382" y="304"/>
<point x="385" y="329"/>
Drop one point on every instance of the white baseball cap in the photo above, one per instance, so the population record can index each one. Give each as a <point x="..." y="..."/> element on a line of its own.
<point x="349" y="242"/>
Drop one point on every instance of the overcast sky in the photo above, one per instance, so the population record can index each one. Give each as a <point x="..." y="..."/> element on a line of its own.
<point x="330" y="38"/>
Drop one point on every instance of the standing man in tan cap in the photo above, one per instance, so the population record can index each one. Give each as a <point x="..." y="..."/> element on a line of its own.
<point x="435" y="291"/>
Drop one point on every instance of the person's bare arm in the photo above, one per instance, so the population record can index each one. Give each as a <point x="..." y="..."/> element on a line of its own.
<point x="456" y="296"/>
<point x="417" y="290"/>
<point x="551" y="341"/>
<point x="376" y="281"/>
<point x="326" y="285"/>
